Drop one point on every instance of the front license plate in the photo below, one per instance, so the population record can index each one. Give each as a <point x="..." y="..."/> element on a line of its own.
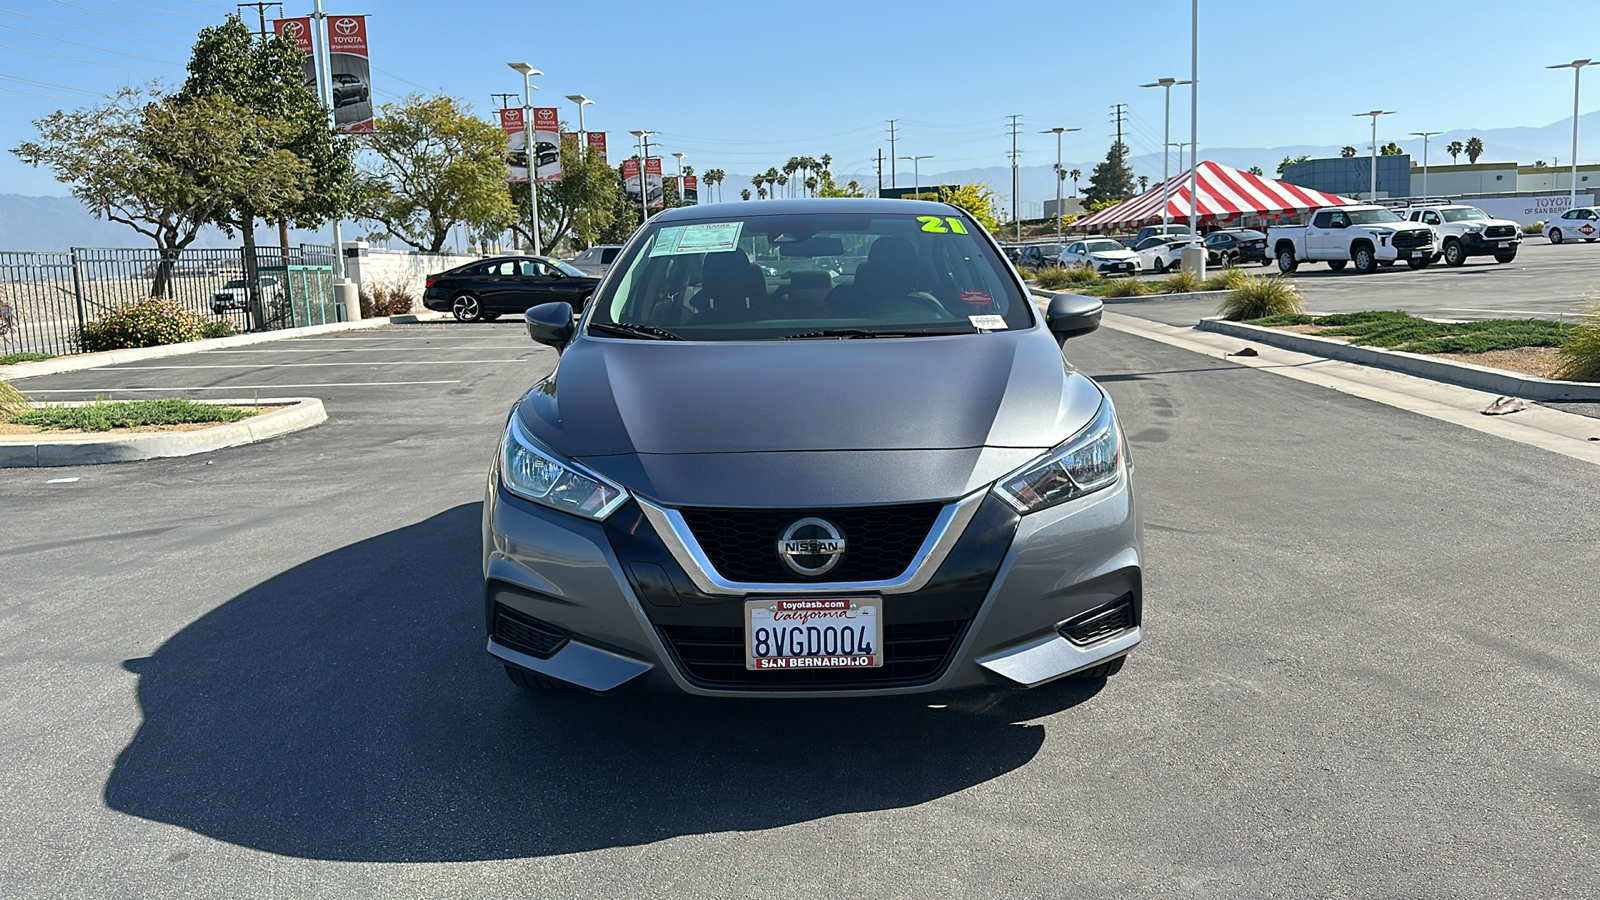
<point x="813" y="633"/>
<point x="1504" y="245"/>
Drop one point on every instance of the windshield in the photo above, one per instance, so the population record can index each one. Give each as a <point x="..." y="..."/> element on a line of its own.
<point x="1102" y="246"/>
<point x="756" y="277"/>
<point x="1372" y="216"/>
<point x="567" y="269"/>
<point x="1463" y="214"/>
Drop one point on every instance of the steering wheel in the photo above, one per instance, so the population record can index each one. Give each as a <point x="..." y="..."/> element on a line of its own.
<point x="926" y="302"/>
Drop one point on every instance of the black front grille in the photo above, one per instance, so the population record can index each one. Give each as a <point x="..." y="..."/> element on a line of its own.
<point x="913" y="653"/>
<point x="1500" y="232"/>
<point x="880" y="541"/>
<point x="525" y="633"/>
<point x="1410" y="240"/>
<point x="1099" y="624"/>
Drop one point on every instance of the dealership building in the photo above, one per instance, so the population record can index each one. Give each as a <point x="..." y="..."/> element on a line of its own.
<point x="1521" y="193"/>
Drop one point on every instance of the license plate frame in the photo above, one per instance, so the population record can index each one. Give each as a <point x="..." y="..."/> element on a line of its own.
<point x="826" y="627"/>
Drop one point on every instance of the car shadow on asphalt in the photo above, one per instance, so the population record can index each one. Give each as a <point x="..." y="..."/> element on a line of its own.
<point x="345" y="710"/>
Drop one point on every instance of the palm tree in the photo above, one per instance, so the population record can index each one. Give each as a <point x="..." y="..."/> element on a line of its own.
<point x="715" y="178"/>
<point x="811" y="185"/>
<point x="772" y="179"/>
<point x="1144" y="183"/>
<point x="762" y="192"/>
<point x="758" y="182"/>
<point x="1454" y="149"/>
<point x="744" y="194"/>
<point x="783" y="180"/>
<point x="1075" y="174"/>
<point x="1348" y="152"/>
<point x="1474" y="149"/>
<point x="789" y="168"/>
<point x="827" y="162"/>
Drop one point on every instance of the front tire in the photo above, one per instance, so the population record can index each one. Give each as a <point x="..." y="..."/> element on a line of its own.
<point x="1454" y="254"/>
<point x="1160" y="267"/>
<point x="1338" y="264"/>
<point x="466" y="308"/>
<point x="1555" y="235"/>
<point x="1505" y="257"/>
<point x="1421" y="263"/>
<point x="1366" y="260"/>
<point x="1286" y="261"/>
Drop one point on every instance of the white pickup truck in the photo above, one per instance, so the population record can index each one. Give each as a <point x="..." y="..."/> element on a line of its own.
<point x="1465" y="231"/>
<point x="1368" y="236"/>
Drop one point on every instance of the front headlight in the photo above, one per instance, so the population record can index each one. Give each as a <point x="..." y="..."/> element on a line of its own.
<point x="1474" y="229"/>
<point x="534" y="473"/>
<point x="1089" y="461"/>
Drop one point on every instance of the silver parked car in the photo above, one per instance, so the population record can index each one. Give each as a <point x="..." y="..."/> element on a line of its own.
<point x="886" y="480"/>
<point x="596" y="260"/>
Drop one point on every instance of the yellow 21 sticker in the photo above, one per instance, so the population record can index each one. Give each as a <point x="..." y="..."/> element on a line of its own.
<point x="936" y="225"/>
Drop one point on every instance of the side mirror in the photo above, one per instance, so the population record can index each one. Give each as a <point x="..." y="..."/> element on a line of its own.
<point x="1073" y="315"/>
<point x="550" y="324"/>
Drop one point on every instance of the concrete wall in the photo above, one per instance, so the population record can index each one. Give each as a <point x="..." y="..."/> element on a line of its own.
<point x="1448" y="180"/>
<point x="375" y="265"/>
<point x="1530" y="178"/>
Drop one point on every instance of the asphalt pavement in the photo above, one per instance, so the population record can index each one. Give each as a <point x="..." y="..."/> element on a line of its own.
<point x="1545" y="281"/>
<point x="1369" y="672"/>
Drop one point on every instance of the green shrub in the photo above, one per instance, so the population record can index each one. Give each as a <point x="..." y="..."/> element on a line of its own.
<point x="1182" y="281"/>
<point x="215" y="328"/>
<point x="11" y="401"/>
<point x="1126" y="287"/>
<point x="1533" y="228"/>
<point x="1580" y="354"/>
<point x="1368" y="317"/>
<point x="1414" y="335"/>
<point x="1282" y="319"/>
<point x="1051" y="277"/>
<point x="1256" y="297"/>
<point x="386" y="298"/>
<point x="1227" y="279"/>
<point x="1081" y="274"/>
<point x="101" y="416"/>
<point x="8" y="359"/>
<point x="145" y="323"/>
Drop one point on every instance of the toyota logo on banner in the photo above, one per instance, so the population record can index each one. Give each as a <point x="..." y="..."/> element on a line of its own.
<point x="346" y="27"/>
<point x="292" y="29"/>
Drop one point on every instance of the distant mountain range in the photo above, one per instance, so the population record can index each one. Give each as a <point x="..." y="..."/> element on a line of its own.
<point x="57" y="223"/>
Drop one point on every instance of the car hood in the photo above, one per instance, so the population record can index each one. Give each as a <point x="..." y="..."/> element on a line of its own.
<point x="833" y="422"/>
<point x="1113" y="255"/>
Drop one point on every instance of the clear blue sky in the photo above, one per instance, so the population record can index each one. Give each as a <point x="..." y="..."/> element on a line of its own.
<point x="745" y="85"/>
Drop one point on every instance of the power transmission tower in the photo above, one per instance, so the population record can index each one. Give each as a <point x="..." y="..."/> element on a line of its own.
<point x="894" y="178"/>
<point x="504" y="100"/>
<point x="1119" y="111"/>
<point x="261" y="14"/>
<point x="1015" y="126"/>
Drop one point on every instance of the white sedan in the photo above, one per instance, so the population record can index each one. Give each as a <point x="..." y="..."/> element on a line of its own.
<point x="1105" y="256"/>
<point x="1161" y="252"/>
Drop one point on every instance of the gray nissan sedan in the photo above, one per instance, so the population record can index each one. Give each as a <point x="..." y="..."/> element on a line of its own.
<point x="812" y="448"/>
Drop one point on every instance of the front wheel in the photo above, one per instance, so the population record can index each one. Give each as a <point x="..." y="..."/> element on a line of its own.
<point x="1555" y="235"/>
<point x="1160" y="267"/>
<point x="1505" y="257"/>
<point x="466" y="308"/>
<point x="1420" y="262"/>
<point x="1286" y="261"/>
<point x="1454" y="254"/>
<point x="1366" y="261"/>
<point x="1338" y="264"/>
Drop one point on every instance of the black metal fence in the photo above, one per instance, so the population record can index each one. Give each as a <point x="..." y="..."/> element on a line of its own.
<point x="46" y="297"/>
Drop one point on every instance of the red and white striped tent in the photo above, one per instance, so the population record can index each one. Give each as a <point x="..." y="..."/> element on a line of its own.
<point x="1226" y="195"/>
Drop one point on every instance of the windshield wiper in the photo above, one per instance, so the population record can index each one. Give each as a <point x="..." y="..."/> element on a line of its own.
<point x="634" y="330"/>
<point x="844" y="333"/>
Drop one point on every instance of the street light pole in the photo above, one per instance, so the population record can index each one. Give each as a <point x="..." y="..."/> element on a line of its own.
<point x="679" y="183"/>
<point x="644" y="182"/>
<point x="1166" y="84"/>
<point x="1058" y="131"/>
<point x="582" y="101"/>
<point x="916" y="169"/>
<point x="1577" y="67"/>
<point x="1425" y="135"/>
<point x="1372" y="191"/>
<point x="1194" y="130"/>
<point x="527" y="144"/>
<point x="321" y="67"/>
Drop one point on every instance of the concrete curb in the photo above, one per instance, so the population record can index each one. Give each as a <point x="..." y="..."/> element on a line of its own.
<point x="82" y="361"/>
<point x="1481" y="378"/>
<point x="25" y="450"/>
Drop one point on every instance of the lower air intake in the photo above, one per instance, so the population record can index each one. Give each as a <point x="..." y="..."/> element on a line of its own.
<point x="1099" y="624"/>
<point x="527" y="634"/>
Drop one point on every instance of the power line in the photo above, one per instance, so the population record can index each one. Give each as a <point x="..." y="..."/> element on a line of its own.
<point x="60" y="87"/>
<point x="261" y="14"/>
<point x="92" y="62"/>
<point x="394" y="77"/>
<point x="34" y="94"/>
<point x="121" y="18"/>
<point x="170" y="12"/>
<point x="94" y="30"/>
<point x="85" y="46"/>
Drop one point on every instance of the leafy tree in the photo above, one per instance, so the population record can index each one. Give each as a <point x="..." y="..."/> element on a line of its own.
<point x="1538" y="164"/>
<point x="1094" y="206"/>
<point x="1474" y="149"/>
<point x="580" y="206"/>
<point x="977" y="199"/>
<point x="827" y="188"/>
<point x="1455" y="149"/>
<point x="1287" y="162"/>
<point x="162" y="167"/>
<point x="1390" y="149"/>
<point x="1348" y="152"/>
<point x="624" y="213"/>
<point x="1111" y="179"/>
<point x="434" y="166"/>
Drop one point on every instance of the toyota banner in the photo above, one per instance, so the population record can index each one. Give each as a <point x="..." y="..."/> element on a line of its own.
<point x="546" y="140"/>
<point x="597" y="143"/>
<point x="517" y="161"/>
<point x="351" y="72"/>
<point x="652" y="179"/>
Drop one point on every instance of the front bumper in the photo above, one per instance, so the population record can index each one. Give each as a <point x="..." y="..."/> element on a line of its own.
<point x="1479" y="245"/>
<point x="1118" y="267"/>
<point x="619" y="612"/>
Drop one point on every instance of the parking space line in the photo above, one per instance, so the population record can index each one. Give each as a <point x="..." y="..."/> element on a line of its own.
<point x="363" y="349"/>
<point x="237" y="387"/>
<point x="308" y="365"/>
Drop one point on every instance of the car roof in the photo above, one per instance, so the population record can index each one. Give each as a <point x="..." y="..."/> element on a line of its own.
<point x="809" y="206"/>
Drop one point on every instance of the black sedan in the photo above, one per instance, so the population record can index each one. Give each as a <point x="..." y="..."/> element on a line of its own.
<point x="1237" y="246"/>
<point x="490" y="288"/>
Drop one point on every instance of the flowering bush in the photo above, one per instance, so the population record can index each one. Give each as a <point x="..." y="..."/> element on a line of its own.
<point x="386" y="298"/>
<point x="145" y="323"/>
